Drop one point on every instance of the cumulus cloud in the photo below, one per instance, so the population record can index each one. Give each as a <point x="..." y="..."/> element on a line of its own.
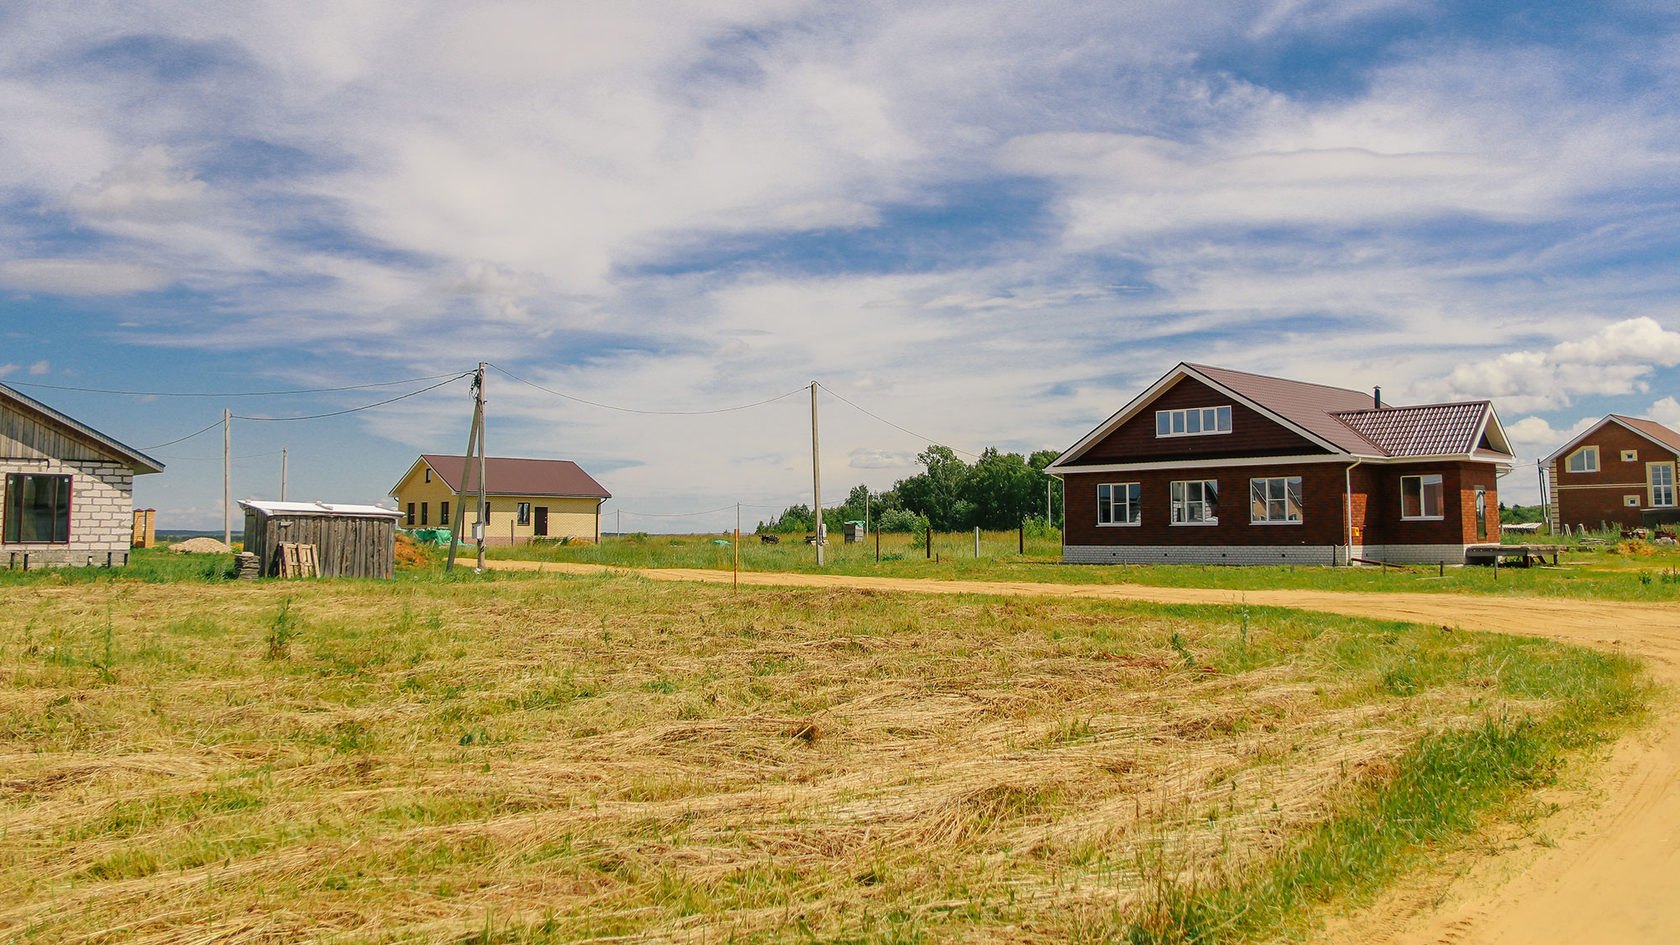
<point x="1666" y="412"/>
<point x="1616" y="359"/>
<point x="6" y="369"/>
<point x="82" y="276"/>
<point x="1534" y="436"/>
<point x="39" y="368"/>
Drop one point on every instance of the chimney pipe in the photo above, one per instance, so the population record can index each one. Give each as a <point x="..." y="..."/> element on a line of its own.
<point x="1376" y="396"/>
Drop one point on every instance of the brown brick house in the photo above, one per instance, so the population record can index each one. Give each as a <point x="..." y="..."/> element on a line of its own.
<point x="1612" y="473"/>
<point x="1223" y="467"/>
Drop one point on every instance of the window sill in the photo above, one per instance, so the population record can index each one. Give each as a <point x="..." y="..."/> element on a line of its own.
<point x="1194" y="524"/>
<point x="1118" y="524"/>
<point x="1296" y="522"/>
<point x="1423" y="518"/>
<point x="1178" y="436"/>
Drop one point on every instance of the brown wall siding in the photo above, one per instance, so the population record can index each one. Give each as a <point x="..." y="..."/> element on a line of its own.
<point x="1602" y="500"/>
<point x="1321" y="496"/>
<point x="1251" y="434"/>
<point x="1375" y="500"/>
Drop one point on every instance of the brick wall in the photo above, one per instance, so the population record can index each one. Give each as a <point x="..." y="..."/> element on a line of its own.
<point x="1594" y="498"/>
<point x="1321" y="499"/>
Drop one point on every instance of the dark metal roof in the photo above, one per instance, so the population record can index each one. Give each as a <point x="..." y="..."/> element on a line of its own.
<point x="1428" y="430"/>
<point x="140" y="462"/>
<point x="504" y="476"/>
<point x="1309" y="406"/>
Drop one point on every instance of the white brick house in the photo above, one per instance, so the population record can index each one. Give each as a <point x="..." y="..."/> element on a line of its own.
<point x="66" y="490"/>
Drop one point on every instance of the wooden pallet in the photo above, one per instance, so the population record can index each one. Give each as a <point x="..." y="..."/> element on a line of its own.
<point x="298" y="560"/>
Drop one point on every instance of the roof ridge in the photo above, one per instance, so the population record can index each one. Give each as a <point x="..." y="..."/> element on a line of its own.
<point x="1273" y="377"/>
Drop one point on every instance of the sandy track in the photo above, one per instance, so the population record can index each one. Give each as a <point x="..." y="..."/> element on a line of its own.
<point x="1614" y="875"/>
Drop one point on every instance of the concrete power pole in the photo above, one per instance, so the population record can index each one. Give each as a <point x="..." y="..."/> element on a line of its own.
<point x="816" y="474"/>
<point x="282" y="474"/>
<point x="483" y="505"/>
<point x="473" y="438"/>
<point x="227" y="477"/>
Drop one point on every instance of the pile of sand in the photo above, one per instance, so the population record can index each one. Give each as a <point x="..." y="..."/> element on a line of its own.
<point x="201" y="546"/>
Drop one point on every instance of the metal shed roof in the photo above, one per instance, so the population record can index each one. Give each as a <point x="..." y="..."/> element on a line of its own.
<point x="318" y="508"/>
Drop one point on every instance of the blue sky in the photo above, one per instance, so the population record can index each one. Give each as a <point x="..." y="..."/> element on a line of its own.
<point x="991" y="223"/>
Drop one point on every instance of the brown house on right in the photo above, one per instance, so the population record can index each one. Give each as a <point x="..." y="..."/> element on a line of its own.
<point x="1213" y="466"/>
<point x="1616" y="472"/>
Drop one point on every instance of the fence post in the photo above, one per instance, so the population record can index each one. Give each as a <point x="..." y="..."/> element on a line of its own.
<point x="877" y="542"/>
<point x="976" y="541"/>
<point x="1021" y="540"/>
<point x="928" y="537"/>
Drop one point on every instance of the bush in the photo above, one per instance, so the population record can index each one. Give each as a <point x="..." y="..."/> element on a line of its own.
<point x="902" y="520"/>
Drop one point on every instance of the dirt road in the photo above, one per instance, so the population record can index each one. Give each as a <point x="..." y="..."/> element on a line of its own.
<point x="1614" y="874"/>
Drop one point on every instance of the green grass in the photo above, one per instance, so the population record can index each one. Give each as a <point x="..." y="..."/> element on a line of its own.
<point x="515" y="758"/>
<point x="1638" y="572"/>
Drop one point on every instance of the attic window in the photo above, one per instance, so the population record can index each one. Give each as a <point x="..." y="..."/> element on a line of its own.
<point x="1195" y="421"/>
<point x="1630" y="456"/>
<point x="428" y="474"/>
<point x="1584" y="460"/>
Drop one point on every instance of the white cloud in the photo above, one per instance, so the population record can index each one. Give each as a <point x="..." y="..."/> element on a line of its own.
<point x="39" y="368"/>
<point x="150" y="187"/>
<point x="1616" y="359"/>
<point x="6" y="369"/>
<point x="82" y="276"/>
<point x="1666" y="412"/>
<point x="1533" y="436"/>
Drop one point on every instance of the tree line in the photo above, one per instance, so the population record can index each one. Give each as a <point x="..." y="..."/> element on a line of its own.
<point x="997" y="491"/>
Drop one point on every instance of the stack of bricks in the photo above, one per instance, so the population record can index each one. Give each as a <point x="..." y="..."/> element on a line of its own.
<point x="248" y="566"/>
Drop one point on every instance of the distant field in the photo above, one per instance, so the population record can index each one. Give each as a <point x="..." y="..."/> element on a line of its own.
<point x="1641" y="572"/>
<point x="525" y="759"/>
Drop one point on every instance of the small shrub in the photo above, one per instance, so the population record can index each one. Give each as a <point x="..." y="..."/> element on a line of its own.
<point x="282" y="630"/>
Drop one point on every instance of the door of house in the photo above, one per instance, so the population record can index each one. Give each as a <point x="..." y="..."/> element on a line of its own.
<point x="539" y="521"/>
<point x="1481" y="514"/>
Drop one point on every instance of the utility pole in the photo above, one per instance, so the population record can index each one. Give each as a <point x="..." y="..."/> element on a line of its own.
<point x="816" y="474"/>
<point x="227" y="477"/>
<point x="618" y="518"/>
<point x="1047" y="487"/>
<point x="466" y="464"/>
<point x="737" y="546"/>
<point x="483" y="503"/>
<point x="282" y="474"/>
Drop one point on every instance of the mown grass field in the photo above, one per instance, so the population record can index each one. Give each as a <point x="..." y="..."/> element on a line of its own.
<point x="1637" y="572"/>
<point x="540" y="759"/>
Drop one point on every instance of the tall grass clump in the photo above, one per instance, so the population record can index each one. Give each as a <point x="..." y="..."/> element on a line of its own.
<point x="282" y="629"/>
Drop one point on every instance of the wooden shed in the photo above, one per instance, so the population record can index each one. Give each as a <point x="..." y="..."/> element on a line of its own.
<point x="349" y="540"/>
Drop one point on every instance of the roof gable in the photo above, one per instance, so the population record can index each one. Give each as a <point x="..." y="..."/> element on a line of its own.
<point x="510" y="476"/>
<point x="1322" y="419"/>
<point x="138" y="461"/>
<point x="1649" y="429"/>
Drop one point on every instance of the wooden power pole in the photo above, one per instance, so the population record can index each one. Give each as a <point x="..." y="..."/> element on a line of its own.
<point x="227" y="477"/>
<point x="473" y="438"/>
<point x="816" y="474"/>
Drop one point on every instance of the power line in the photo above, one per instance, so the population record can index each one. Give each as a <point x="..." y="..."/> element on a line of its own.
<point x="925" y="439"/>
<point x="254" y="393"/>
<point x="187" y="437"/>
<point x="666" y="413"/>
<point x="340" y="413"/>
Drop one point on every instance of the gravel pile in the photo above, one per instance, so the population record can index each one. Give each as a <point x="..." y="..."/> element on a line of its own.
<point x="201" y="546"/>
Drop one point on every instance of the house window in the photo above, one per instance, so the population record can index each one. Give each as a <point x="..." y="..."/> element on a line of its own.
<point x="37" y="508"/>
<point x="1420" y="496"/>
<point x="428" y="474"/>
<point x="1119" y="503"/>
<point x="1631" y="501"/>
<point x="443" y="514"/>
<point x="1661" y="478"/>
<point x="408" y="520"/>
<point x="1196" y="421"/>
<point x="1630" y="456"/>
<point x="1275" y="501"/>
<point x="423" y="513"/>
<point x="1584" y="460"/>
<point x="1195" y="502"/>
<point x="484" y="514"/>
<point x="524" y="513"/>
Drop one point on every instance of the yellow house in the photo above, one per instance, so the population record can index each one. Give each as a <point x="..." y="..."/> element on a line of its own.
<point x="526" y="498"/>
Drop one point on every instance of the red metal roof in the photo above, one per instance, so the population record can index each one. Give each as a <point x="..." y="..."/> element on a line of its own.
<point x="504" y="476"/>
<point x="1429" y="430"/>
<point x="1654" y="430"/>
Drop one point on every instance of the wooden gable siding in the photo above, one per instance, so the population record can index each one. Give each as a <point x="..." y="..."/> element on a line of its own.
<point x="1595" y="498"/>
<point x="32" y="436"/>
<point x="1252" y="434"/>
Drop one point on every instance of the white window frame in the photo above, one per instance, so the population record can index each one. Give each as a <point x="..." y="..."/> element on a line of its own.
<point x="1630" y="456"/>
<point x="1121" y="503"/>
<point x="428" y="474"/>
<point x="1630" y="501"/>
<point x="1276" y="500"/>
<point x="1656" y="491"/>
<point x="1589" y="461"/>
<point x="1184" y="507"/>
<point x="522" y="513"/>
<point x="1171" y="423"/>
<point x="1422" y="480"/>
